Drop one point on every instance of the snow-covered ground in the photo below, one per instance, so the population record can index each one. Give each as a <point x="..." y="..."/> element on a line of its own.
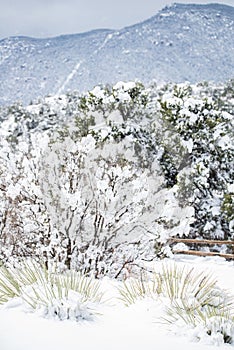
<point x="117" y="327"/>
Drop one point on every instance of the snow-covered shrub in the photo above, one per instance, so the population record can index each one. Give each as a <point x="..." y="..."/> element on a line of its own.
<point x="205" y="145"/>
<point x="70" y="295"/>
<point x="220" y="328"/>
<point x="86" y="179"/>
<point x="111" y="185"/>
<point x="227" y="208"/>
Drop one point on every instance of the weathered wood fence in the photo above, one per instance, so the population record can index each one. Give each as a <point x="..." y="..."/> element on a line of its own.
<point x="202" y="242"/>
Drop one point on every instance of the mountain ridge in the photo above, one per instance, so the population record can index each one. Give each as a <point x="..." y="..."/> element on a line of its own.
<point x="182" y="42"/>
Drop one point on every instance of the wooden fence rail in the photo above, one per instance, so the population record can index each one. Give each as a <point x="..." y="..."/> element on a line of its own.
<point x="202" y="242"/>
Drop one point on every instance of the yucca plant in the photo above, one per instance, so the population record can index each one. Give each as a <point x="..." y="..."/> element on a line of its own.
<point x="216" y="322"/>
<point x="173" y="282"/>
<point x="9" y="285"/>
<point x="67" y="295"/>
<point x="181" y="282"/>
<point x="190" y="296"/>
<point x="29" y="271"/>
<point x="196" y="301"/>
<point x="134" y="289"/>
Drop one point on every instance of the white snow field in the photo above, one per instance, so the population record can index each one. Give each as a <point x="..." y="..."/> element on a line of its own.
<point x="117" y="327"/>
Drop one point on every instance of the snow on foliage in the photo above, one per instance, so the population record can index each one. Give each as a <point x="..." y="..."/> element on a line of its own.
<point x="69" y="295"/>
<point x="192" y="302"/>
<point x="99" y="182"/>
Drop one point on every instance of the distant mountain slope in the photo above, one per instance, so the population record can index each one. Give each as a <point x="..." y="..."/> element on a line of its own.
<point x="181" y="42"/>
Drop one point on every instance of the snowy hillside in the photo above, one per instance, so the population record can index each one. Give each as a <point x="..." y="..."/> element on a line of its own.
<point x="180" y="43"/>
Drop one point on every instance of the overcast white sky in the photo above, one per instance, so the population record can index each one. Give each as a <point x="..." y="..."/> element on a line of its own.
<point x="45" y="18"/>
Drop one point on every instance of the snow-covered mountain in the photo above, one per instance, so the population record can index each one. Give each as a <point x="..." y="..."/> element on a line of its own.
<point x="181" y="42"/>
